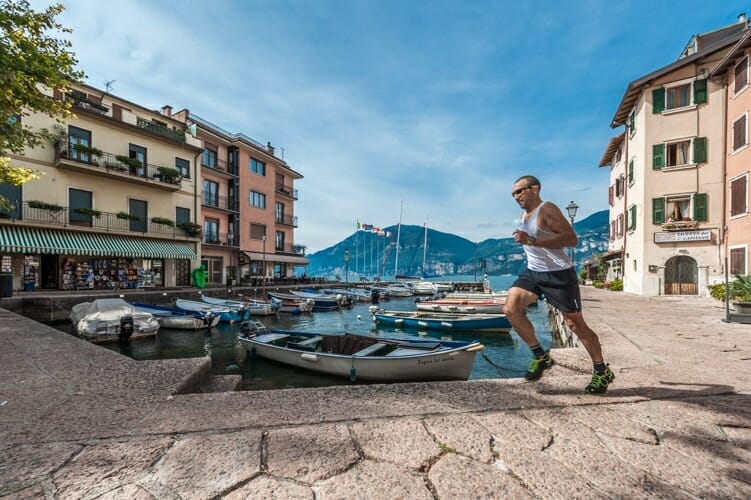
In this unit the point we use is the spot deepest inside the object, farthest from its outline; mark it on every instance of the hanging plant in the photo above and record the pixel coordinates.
(88, 211)
(127, 216)
(190, 228)
(45, 206)
(163, 221)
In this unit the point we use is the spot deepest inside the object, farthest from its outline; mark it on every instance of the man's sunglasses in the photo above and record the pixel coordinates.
(520, 191)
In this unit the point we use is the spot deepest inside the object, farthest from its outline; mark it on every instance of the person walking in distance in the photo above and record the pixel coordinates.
(544, 234)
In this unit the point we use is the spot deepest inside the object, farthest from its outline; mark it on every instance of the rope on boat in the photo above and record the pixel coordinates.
(498, 368)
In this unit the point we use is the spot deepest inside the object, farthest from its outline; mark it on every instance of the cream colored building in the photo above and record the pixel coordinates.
(674, 153)
(615, 158)
(116, 186)
(733, 71)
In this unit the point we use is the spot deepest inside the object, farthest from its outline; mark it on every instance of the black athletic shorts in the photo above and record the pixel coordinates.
(560, 288)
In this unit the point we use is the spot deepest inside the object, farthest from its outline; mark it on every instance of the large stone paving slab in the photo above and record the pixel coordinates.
(458, 477)
(405, 442)
(370, 479)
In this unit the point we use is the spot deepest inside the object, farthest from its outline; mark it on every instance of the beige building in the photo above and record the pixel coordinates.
(733, 72)
(615, 158)
(115, 202)
(248, 197)
(674, 154)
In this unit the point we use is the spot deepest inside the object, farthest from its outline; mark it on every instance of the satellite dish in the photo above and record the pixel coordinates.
(193, 129)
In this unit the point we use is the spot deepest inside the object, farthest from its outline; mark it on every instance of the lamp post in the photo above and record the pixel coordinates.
(571, 208)
(263, 267)
(346, 265)
(231, 271)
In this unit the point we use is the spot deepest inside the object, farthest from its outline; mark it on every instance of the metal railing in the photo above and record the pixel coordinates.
(57, 215)
(217, 201)
(215, 164)
(115, 163)
(289, 248)
(176, 135)
(216, 238)
(287, 220)
(286, 190)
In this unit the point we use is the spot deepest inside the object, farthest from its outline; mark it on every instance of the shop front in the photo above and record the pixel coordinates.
(42, 258)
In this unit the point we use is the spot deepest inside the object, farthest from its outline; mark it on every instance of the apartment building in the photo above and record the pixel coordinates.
(674, 154)
(615, 158)
(247, 199)
(733, 73)
(115, 206)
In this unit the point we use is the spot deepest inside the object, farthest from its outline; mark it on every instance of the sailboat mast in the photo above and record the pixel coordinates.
(398, 233)
(425, 248)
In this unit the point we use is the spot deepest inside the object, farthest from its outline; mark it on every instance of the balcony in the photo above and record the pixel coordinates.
(286, 191)
(220, 202)
(290, 249)
(164, 131)
(217, 165)
(219, 239)
(287, 220)
(680, 225)
(50, 214)
(94, 161)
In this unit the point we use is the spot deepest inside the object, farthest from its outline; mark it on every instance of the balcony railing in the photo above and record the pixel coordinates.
(680, 225)
(175, 135)
(215, 164)
(286, 190)
(223, 202)
(287, 220)
(56, 215)
(289, 248)
(115, 163)
(221, 239)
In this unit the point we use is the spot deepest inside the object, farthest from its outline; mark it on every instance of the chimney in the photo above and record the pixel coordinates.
(167, 110)
(270, 148)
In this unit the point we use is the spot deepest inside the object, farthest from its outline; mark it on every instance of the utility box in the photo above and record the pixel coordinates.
(6, 285)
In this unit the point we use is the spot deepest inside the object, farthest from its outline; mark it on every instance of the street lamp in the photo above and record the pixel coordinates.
(571, 208)
(231, 271)
(263, 267)
(346, 265)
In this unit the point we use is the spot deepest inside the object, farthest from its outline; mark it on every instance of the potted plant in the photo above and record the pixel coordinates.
(126, 216)
(163, 221)
(133, 163)
(88, 211)
(45, 206)
(740, 291)
(169, 174)
(191, 228)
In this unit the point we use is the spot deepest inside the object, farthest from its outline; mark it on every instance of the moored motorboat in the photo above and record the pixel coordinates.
(291, 304)
(176, 318)
(361, 357)
(226, 314)
(442, 321)
(324, 301)
(243, 307)
(462, 306)
(107, 320)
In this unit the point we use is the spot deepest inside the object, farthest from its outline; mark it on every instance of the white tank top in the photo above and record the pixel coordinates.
(538, 258)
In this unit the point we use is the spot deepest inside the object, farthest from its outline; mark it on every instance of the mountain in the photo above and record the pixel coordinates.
(447, 254)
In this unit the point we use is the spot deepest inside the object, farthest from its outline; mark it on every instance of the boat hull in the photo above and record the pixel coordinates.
(447, 364)
(461, 307)
(453, 322)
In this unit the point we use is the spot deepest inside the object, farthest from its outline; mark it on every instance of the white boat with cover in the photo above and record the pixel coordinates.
(108, 320)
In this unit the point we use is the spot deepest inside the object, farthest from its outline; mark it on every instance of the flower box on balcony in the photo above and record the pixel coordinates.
(680, 225)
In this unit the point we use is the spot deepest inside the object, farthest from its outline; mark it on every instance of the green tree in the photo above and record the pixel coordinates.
(30, 56)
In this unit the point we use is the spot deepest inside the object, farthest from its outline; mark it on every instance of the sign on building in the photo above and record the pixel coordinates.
(669, 237)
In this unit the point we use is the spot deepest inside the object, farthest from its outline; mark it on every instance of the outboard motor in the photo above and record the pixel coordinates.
(126, 328)
(375, 297)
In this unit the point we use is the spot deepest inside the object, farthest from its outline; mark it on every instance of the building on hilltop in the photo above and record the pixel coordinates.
(106, 213)
(667, 173)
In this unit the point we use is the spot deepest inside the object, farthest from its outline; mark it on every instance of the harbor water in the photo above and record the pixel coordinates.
(504, 356)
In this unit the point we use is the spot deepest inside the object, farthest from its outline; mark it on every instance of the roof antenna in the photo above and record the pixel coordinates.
(108, 86)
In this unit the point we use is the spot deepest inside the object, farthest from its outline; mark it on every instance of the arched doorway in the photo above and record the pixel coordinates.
(681, 276)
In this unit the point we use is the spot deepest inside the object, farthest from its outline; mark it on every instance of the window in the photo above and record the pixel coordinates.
(279, 241)
(214, 267)
(740, 135)
(79, 200)
(138, 153)
(739, 196)
(183, 166)
(619, 226)
(620, 183)
(631, 172)
(257, 167)
(211, 230)
(182, 215)
(209, 158)
(632, 123)
(682, 207)
(14, 195)
(632, 218)
(611, 195)
(612, 230)
(257, 200)
(257, 231)
(738, 260)
(279, 211)
(679, 95)
(78, 136)
(139, 209)
(676, 154)
(741, 75)
(211, 193)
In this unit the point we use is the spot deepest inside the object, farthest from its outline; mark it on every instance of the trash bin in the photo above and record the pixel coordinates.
(6, 285)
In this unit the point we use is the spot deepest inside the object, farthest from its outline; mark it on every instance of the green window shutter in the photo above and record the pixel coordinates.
(700, 91)
(700, 206)
(632, 217)
(631, 171)
(631, 120)
(658, 210)
(700, 150)
(658, 156)
(658, 100)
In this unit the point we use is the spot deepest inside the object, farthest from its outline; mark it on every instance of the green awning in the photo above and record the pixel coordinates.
(17, 239)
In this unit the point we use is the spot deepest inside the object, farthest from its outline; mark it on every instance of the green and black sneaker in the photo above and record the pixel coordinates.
(600, 382)
(537, 366)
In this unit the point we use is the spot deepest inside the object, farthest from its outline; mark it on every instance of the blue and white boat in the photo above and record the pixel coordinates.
(442, 321)
(324, 301)
(176, 318)
(249, 307)
(226, 314)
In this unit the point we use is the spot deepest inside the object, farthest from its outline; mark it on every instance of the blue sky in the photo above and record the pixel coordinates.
(440, 105)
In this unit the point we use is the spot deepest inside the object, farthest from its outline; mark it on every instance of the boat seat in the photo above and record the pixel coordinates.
(420, 345)
(307, 344)
(402, 351)
(370, 349)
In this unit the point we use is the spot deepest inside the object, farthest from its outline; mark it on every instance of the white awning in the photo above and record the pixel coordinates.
(298, 260)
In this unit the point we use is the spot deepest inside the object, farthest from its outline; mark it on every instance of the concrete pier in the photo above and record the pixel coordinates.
(78, 421)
